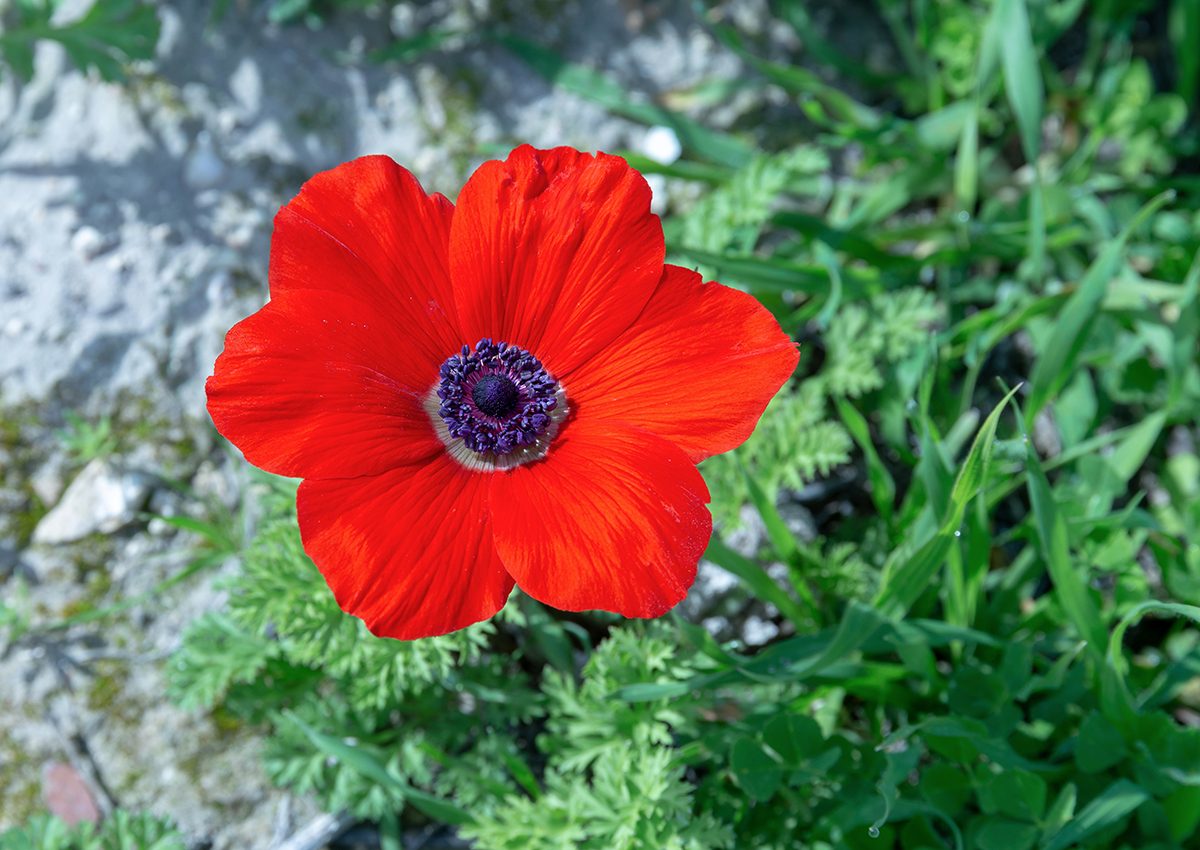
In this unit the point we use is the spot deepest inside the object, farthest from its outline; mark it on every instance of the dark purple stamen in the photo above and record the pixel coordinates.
(495, 395)
(497, 398)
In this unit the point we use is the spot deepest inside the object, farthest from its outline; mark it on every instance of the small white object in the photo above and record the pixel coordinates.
(101, 498)
(89, 241)
(662, 145)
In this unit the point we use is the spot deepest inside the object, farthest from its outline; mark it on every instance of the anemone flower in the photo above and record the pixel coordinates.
(515, 388)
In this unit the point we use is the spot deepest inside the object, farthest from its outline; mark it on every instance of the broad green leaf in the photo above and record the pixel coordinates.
(975, 693)
(1183, 812)
(969, 731)
(1116, 801)
(1183, 363)
(857, 625)
(940, 633)
(795, 737)
(550, 637)
(755, 770)
(946, 787)
(1020, 795)
(1000, 833)
(1131, 452)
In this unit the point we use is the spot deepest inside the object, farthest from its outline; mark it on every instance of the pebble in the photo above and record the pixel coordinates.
(89, 241)
(756, 630)
(662, 145)
(101, 498)
(47, 482)
(203, 169)
(67, 795)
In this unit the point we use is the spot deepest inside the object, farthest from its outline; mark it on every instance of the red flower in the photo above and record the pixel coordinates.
(513, 389)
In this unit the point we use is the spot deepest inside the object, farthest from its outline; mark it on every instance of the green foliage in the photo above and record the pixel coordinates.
(85, 441)
(635, 799)
(731, 217)
(121, 831)
(796, 440)
(611, 780)
(108, 37)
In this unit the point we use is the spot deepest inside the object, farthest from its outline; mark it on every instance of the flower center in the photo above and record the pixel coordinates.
(495, 395)
(500, 402)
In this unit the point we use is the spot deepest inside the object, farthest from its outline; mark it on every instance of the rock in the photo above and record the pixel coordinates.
(756, 630)
(713, 583)
(89, 241)
(67, 795)
(102, 498)
(47, 482)
(203, 168)
(750, 536)
(799, 520)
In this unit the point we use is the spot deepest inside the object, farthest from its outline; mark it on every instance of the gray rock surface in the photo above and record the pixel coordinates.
(135, 223)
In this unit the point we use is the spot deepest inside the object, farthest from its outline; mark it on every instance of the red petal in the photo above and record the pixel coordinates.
(319, 384)
(554, 251)
(697, 367)
(368, 229)
(613, 518)
(409, 551)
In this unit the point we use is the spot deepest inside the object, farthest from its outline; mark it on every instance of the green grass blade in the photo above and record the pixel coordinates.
(903, 584)
(1114, 803)
(1186, 332)
(757, 580)
(966, 166)
(1057, 363)
(373, 769)
(1115, 698)
(883, 487)
(1070, 589)
(411, 49)
(858, 624)
(596, 87)
(1022, 77)
(1185, 36)
(839, 240)
(761, 274)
